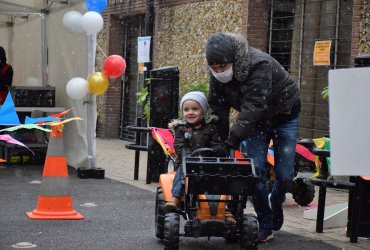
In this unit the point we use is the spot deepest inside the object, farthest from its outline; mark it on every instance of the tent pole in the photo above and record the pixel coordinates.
(10, 25)
(43, 50)
(91, 104)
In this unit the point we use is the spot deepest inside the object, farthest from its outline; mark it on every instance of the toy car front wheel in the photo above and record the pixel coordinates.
(171, 231)
(249, 232)
(304, 191)
(159, 214)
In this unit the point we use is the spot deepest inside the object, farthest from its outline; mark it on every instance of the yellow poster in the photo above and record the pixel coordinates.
(321, 53)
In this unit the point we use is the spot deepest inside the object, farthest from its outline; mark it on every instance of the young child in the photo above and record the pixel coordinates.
(191, 134)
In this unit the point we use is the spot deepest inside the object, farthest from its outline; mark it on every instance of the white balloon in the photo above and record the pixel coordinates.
(92, 22)
(33, 81)
(77, 88)
(72, 21)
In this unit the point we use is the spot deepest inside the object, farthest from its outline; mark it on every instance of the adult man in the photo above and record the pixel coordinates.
(268, 101)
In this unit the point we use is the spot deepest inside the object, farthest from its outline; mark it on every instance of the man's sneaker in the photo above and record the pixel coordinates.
(264, 235)
(277, 215)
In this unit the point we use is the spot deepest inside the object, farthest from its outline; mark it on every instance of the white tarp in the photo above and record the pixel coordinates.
(66, 59)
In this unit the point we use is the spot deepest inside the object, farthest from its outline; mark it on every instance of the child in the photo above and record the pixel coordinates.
(191, 134)
(6, 76)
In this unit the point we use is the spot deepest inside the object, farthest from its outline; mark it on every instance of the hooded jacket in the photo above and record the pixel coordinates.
(261, 90)
(6, 72)
(189, 138)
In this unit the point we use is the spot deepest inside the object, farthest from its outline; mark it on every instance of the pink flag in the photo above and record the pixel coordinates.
(11, 140)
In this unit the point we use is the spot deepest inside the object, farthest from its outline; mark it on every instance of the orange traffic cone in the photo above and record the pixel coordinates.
(55, 201)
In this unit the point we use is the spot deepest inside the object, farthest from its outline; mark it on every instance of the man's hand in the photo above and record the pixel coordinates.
(222, 150)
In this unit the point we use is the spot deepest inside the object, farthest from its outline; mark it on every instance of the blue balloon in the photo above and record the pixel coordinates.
(96, 5)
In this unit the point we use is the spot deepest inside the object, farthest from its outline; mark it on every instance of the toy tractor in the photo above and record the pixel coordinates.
(212, 185)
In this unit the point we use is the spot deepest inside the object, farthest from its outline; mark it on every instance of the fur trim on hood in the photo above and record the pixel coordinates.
(176, 122)
(241, 57)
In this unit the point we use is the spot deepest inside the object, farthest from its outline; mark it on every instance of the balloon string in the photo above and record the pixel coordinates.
(101, 50)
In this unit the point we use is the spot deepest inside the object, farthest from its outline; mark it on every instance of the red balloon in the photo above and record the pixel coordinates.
(114, 66)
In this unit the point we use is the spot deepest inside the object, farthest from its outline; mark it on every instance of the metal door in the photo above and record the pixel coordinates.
(133, 81)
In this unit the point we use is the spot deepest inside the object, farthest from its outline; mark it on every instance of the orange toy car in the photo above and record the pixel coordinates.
(211, 185)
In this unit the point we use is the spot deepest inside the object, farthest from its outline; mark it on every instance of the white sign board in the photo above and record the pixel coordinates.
(349, 109)
(143, 49)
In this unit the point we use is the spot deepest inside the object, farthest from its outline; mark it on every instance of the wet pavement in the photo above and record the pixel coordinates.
(119, 212)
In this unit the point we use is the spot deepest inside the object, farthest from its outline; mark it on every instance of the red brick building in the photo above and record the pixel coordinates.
(287, 29)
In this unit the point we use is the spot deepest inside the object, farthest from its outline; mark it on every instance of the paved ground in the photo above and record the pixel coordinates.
(117, 216)
(119, 212)
(118, 163)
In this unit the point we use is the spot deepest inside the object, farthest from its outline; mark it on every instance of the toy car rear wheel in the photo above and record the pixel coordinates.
(249, 232)
(171, 231)
(231, 236)
(159, 214)
(304, 191)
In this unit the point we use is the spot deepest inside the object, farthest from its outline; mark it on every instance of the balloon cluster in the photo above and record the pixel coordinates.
(97, 83)
(113, 66)
(90, 22)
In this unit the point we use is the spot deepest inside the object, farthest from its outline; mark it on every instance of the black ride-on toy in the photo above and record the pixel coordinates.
(303, 190)
(213, 185)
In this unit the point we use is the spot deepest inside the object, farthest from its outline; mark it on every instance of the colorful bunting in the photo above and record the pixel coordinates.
(9, 116)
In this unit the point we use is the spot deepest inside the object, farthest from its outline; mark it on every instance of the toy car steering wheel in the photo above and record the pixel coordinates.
(205, 152)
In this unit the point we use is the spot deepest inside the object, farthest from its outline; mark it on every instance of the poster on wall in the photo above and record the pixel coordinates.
(321, 53)
(143, 49)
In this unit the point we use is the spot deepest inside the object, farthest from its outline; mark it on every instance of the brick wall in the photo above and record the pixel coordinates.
(253, 22)
(182, 31)
(257, 24)
(356, 23)
(363, 22)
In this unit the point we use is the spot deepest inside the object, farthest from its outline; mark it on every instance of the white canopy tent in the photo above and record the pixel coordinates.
(38, 46)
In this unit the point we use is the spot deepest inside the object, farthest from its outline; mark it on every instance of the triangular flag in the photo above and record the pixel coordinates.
(8, 115)
(58, 115)
(11, 140)
(26, 126)
(30, 120)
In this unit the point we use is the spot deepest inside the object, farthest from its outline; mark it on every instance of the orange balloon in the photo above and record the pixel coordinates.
(97, 83)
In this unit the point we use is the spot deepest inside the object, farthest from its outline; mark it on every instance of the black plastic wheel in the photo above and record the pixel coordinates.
(249, 232)
(231, 238)
(171, 231)
(304, 191)
(159, 214)
(231, 235)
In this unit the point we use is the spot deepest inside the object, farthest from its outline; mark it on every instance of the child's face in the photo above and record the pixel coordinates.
(192, 112)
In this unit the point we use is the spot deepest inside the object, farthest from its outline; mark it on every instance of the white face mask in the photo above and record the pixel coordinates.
(225, 76)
